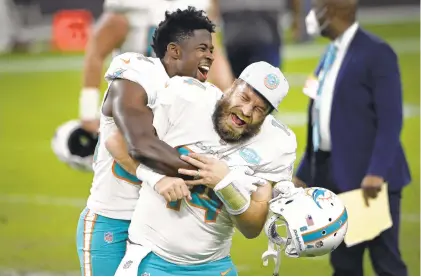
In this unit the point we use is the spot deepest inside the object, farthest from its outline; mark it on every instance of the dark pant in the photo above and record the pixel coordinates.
(240, 56)
(247, 41)
(384, 249)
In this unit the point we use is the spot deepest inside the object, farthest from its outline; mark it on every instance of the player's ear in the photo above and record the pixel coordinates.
(174, 50)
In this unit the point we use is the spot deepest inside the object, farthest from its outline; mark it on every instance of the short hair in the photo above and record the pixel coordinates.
(178, 26)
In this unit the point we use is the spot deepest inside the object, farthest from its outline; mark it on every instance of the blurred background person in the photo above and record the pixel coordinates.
(354, 126)
(251, 31)
(9, 25)
(299, 10)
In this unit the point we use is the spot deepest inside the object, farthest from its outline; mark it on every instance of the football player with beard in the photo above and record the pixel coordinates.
(239, 150)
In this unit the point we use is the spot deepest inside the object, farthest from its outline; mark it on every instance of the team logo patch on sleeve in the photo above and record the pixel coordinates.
(250, 156)
(116, 74)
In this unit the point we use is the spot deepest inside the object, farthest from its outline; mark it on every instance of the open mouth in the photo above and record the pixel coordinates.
(203, 70)
(237, 120)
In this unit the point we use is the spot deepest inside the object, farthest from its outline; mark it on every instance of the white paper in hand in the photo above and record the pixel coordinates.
(366, 223)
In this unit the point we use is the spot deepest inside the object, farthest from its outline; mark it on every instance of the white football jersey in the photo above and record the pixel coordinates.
(144, 16)
(114, 191)
(200, 230)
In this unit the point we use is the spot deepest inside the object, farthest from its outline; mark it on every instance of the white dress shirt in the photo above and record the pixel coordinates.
(326, 96)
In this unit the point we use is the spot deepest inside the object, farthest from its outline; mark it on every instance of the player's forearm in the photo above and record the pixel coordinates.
(251, 222)
(158, 156)
(128, 165)
(249, 212)
(214, 12)
(144, 147)
(109, 33)
(92, 70)
(134, 119)
(116, 146)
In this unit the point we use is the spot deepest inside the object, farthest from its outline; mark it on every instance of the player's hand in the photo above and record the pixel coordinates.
(91, 126)
(285, 189)
(371, 186)
(172, 189)
(209, 173)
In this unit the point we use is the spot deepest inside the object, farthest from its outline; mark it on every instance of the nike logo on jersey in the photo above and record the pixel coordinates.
(125, 61)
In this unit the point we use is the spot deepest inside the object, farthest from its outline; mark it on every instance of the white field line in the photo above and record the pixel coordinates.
(79, 203)
(290, 52)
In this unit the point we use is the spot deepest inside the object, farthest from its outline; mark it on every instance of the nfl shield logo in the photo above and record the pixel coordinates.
(108, 237)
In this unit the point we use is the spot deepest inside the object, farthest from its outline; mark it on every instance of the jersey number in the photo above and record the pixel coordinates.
(202, 197)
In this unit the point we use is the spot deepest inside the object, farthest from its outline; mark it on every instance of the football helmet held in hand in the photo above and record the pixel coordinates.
(74, 146)
(315, 218)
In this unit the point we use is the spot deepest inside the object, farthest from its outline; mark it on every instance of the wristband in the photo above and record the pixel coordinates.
(148, 176)
(89, 104)
(235, 197)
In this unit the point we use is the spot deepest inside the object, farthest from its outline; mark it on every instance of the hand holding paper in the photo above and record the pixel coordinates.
(371, 186)
(366, 222)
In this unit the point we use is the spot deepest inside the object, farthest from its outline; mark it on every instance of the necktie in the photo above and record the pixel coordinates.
(327, 64)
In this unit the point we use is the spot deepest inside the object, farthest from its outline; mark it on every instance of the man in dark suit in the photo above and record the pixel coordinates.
(355, 120)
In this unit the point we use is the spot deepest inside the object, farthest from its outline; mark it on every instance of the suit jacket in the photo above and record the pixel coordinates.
(366, 118)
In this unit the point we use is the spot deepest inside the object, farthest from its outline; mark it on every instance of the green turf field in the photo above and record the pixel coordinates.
(40, 198)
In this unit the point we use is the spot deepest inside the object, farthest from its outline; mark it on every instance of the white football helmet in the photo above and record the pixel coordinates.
(74, 146)
(315, 218)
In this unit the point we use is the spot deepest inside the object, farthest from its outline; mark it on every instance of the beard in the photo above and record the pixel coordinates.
(219, 118)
